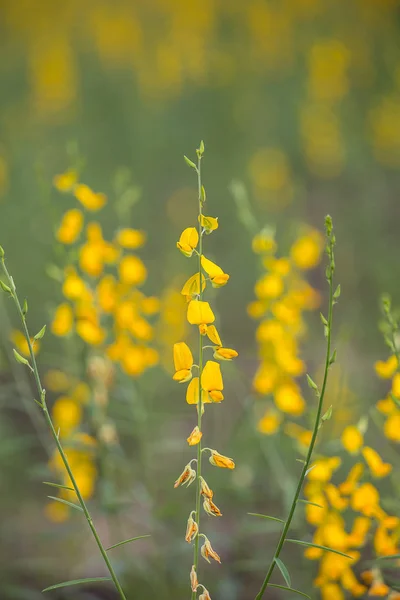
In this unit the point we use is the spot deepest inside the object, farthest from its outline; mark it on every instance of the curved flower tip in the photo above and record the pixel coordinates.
(217, 276)
(200, 313)
(188, 241)
(194, 437)
(225, 353)
(205, 595)
(187, 476)
(219, 460)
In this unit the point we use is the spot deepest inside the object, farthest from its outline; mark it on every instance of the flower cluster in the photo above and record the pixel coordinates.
(283, 295)
(204, 378)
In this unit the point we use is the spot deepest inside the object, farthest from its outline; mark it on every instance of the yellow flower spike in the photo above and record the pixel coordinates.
(200, 313)
(213, 335)
(187, 476)
(219, 460)
(211, 380)
(352, 439)
(66, 181)
(216, 274)
(192, 393)
(130, 238)
(209, 224)
(376, 465)
(386, 369)
(89, 199)
(207, 551)
(132, 270)
(225, 354)
(306, 251)
(192, 285)
(188, 241)
(192, 529)
(63, 320)
(183, 361)
(70, 226)
(210, 508)
(194, 437)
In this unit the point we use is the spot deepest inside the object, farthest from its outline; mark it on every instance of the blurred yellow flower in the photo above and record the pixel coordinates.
(132, 270)
(70, 226)
(386, 369)
(306, 251)
(20, 343)
(130, 238)
(66, 181)
(376, 465)
(288, 399)
(89, 199)
(67, 414)
(269, 423)
(352, 439)
(63, 320)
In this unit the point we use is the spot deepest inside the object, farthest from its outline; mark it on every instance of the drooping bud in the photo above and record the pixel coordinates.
(205, 490)
(192, 529)
(195, 437)
(187, 476)
(207, 551)
(205, 595)
(211, 508)
(193, 579)
(219, 460)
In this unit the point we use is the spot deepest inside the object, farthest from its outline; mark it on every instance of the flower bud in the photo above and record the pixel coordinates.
(225, 353)
(192, 529)
(211, 508)
(219, 460)
(193, 579)
(187, 476)
(205, 595)
(203, 328)
(205, 490)
(195, 437)
(207, 551)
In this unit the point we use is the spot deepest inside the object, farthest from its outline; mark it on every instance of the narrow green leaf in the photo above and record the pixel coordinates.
(71, 504)
(76, 582)
(312, 383)
(58, 485)
(1, 252)
(389, 557)
(332, 359)
(328, 414)
(40, 333)
(289, 589)
(190, 162)
(308, 471)
(308, 502)
(324, 321)
(266, 517)
(309, 544)
(38, 403)
(20, 359)
(283, 569)
(337, 292)
(139, 537)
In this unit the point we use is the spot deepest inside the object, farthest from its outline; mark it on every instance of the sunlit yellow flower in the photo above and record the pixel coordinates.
(192, 285)
(89, 199)
(269, 423)
(306, 251)
(207, 552)
(63, 320)
(66, 181)
(132, 270)
(130, 238)
(70, 226)
(376, 465)
(208, 223)
(192, 393)
(20, 343)
(183, 361)
(352, 439)
(194, 437)
(200, 313)
(211, 380)
(219, 460)
(386, 369)
(217, 276)
(225, 354)
(188, 241)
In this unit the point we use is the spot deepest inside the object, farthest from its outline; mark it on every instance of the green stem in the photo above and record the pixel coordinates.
(42, 397)
(200, 404)
(317, 423)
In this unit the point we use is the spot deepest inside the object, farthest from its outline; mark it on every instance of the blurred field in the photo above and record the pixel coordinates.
(298, 102)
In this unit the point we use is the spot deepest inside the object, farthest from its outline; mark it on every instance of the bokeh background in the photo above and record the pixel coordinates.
(298, 102)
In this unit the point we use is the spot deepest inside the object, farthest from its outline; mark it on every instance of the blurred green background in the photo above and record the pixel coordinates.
(299, 101)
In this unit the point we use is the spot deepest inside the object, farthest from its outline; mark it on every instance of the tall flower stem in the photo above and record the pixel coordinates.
(42, 402)
(200, 404)
(329, 359)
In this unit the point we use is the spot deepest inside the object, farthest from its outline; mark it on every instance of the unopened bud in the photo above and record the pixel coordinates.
(193, 579)
(205, 490)
(192, 529)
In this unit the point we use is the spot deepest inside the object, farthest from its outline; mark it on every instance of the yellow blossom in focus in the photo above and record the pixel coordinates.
(211, 380)
(306, 251)
(192, 393)
(63, 320)
(219, 460)
(213, 335)
(194, 437)
(217, 276)
(208, 223)
(89, 199)
(192, 286)
(130, 238)
(188, 241)
(225, 353)
(200, 313)
(183, 361)
(70, 226)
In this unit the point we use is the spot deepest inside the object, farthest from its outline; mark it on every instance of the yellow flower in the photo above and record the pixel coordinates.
(365, 499)
(213, 335)
(349, 485)
(324, 469)
(378, 588)
(183, 361)
(70, 226)
(269, 287)
(211, 508)
(130, 238)
(288, 399)
(188, 241)
(377, 467)
(192, 285)
(187, 476)
(66, 181)
(200, 313)
(192, 393)
(219, 460)
(306, 251)
(20, 343)
(352, 439)
(63, 320)
(269, 423)
(392, 428)
(225, 353)
(89, 199)
(67, 415)
(387, 369)
(263, 243)
(195, 437)
(208, 223)
(90, 332)
(217, 276)
(107, 293)
(74, 287)
(265, 378)
(211, 380)
(132, 270)
(303, 436)
(359, 532)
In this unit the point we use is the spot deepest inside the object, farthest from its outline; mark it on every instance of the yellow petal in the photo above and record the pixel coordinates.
(194, 437)
(209, 223)
(192, 393)
(63, 320)
(188, 241)
(225, 354)
(183, 358)
(211, 378)
(66, 181)
(352, 439)
(192, 285)
(211, 268)
(213, 335)
(376, 465)
(200, 313)
(132, 270)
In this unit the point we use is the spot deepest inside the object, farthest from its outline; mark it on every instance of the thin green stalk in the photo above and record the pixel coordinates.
(200, 403)
(42, 401)
(317, 423)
